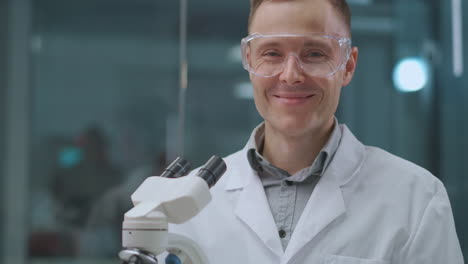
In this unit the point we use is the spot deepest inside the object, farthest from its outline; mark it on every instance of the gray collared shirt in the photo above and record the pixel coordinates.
(288, 194)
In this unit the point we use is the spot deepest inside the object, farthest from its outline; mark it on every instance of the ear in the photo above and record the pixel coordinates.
(247, 58)
(247, 53)
(350, 66)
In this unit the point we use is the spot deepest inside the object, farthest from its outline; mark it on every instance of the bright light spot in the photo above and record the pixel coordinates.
(243, 90)
(234, 54)
(411, 74)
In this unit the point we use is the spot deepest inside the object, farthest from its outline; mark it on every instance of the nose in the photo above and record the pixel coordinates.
(292, 73)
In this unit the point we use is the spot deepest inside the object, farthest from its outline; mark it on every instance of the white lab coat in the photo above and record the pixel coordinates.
(369, 207)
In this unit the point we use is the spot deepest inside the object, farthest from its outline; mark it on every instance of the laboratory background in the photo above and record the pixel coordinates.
(97, 95)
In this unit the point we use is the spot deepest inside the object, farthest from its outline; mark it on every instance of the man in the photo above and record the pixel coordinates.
(304, 189)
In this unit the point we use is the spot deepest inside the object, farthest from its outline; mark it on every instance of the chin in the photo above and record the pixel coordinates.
(296, 126)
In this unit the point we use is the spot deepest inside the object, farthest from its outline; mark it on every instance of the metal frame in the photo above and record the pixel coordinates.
(17, 133)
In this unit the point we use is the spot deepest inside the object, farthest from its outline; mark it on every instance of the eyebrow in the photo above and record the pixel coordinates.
(321, 42)
(274, 43)
(269, 43)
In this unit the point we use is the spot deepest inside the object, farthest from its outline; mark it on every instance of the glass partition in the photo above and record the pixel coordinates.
(452, 94)
(105, 87)
(3, 38)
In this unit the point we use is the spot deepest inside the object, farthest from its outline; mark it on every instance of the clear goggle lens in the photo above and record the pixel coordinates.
(316, 54)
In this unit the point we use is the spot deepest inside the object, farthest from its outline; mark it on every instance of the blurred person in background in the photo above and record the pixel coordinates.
(83, 173)
(79, 186)
(102, 236)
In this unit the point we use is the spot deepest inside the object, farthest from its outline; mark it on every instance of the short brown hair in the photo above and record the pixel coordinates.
(340, 5)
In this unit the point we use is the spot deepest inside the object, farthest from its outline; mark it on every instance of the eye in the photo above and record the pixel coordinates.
(271, 53)
(315, 54)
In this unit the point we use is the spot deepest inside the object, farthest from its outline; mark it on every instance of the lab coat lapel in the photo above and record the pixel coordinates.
(326, 203)
(324, 206)
(253, 209)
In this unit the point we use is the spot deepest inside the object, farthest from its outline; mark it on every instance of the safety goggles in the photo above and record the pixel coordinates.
(315, 54)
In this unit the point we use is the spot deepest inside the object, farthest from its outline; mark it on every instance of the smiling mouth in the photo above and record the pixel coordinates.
(293, 99)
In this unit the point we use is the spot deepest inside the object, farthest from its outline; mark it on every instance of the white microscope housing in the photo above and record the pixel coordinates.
(162, 200)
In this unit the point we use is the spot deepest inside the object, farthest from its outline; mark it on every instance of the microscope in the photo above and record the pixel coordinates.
(160, 200)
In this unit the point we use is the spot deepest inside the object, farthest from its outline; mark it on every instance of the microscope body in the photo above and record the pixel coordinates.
(158, 202)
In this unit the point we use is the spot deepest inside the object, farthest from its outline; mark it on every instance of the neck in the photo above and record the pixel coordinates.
(293, 153)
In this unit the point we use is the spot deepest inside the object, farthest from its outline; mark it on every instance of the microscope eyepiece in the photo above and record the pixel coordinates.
(178, 168)
(212, 170)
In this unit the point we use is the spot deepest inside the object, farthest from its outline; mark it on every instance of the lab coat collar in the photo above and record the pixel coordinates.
(348, 158)
(252, 206)
(239, 171)
(253, 209)
(325, 205)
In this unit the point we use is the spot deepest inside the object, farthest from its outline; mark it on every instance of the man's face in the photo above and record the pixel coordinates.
(292, 102)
